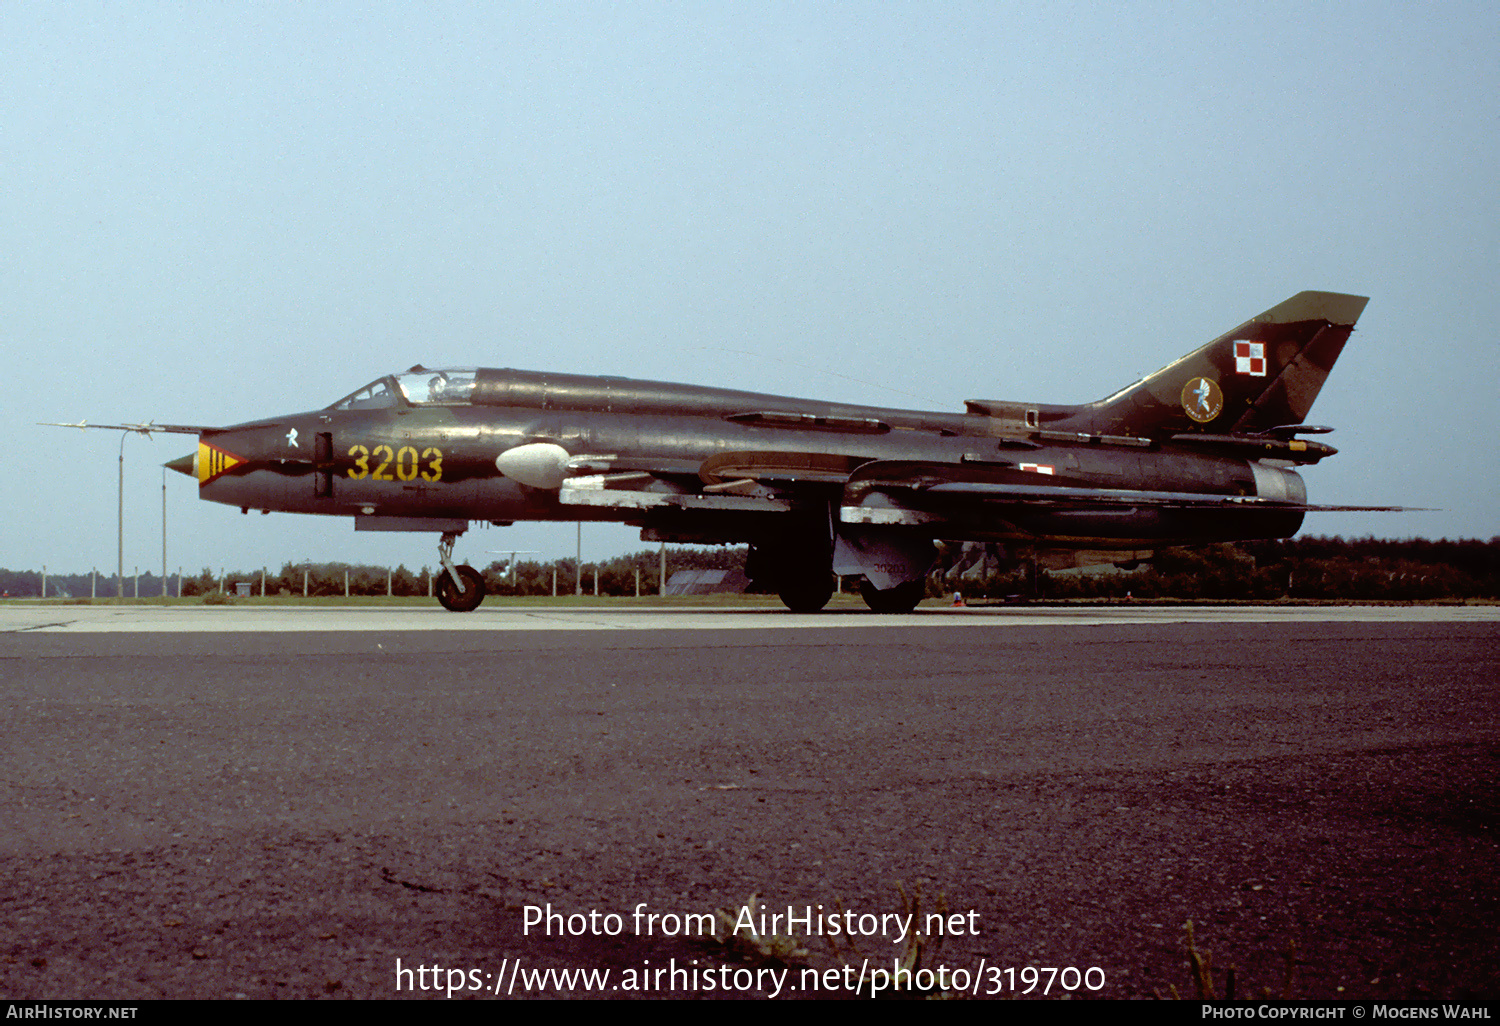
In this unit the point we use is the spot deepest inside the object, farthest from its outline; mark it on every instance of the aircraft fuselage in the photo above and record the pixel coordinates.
(1202, 450)
(439, 461)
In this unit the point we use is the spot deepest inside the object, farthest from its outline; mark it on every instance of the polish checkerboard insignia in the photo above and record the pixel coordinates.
(1250, 358)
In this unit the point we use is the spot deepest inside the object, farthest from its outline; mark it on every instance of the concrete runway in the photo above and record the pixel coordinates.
(497, 616)
(284, 802)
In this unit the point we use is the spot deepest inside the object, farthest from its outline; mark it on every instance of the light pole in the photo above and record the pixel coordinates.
(163, 532)
(125, 430)
(120, 522)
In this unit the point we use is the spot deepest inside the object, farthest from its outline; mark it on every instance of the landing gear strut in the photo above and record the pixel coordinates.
(460, 588)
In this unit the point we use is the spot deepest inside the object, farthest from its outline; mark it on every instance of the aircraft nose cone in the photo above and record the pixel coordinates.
(184, 464)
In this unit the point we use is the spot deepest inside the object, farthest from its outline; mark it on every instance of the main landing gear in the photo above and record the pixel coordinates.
(460, 588)
(806, 591)
(903, 598)
(798, 566)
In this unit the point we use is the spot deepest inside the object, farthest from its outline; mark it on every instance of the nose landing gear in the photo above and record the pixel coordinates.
(460, 588)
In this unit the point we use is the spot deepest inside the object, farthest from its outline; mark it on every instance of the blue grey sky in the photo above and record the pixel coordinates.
(217, 212)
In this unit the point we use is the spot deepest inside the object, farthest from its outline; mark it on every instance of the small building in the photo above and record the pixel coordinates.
(707, 582)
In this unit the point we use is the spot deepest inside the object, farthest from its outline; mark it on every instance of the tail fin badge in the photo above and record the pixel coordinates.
(1250, 358)
(1202, 399)
(213, 461)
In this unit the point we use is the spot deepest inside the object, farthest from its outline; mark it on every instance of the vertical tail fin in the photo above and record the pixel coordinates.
(1263, 374)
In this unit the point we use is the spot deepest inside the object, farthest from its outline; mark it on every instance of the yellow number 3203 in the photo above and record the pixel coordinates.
(404, 461)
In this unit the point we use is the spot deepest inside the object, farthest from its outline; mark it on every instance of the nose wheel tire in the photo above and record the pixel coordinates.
(464, 601)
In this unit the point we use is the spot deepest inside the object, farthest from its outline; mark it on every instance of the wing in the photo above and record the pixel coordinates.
(898, 492)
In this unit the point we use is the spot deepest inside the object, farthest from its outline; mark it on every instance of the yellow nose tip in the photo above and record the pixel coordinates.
(211, 461)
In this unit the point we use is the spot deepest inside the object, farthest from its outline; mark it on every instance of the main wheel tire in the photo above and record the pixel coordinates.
(467, 600)
(807, 594)
(903, 598)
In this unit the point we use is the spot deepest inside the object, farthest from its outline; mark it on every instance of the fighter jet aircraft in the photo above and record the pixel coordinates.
(1203, 450)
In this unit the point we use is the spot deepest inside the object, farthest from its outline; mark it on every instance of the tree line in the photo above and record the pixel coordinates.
(616, 576)
(1314, 567)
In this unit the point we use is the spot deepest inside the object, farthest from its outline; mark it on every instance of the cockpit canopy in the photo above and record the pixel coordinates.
(418, 387)
(437, 387)
(377, 395)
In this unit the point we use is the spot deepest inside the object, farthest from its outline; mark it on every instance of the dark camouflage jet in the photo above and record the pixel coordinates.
(1203, 450)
